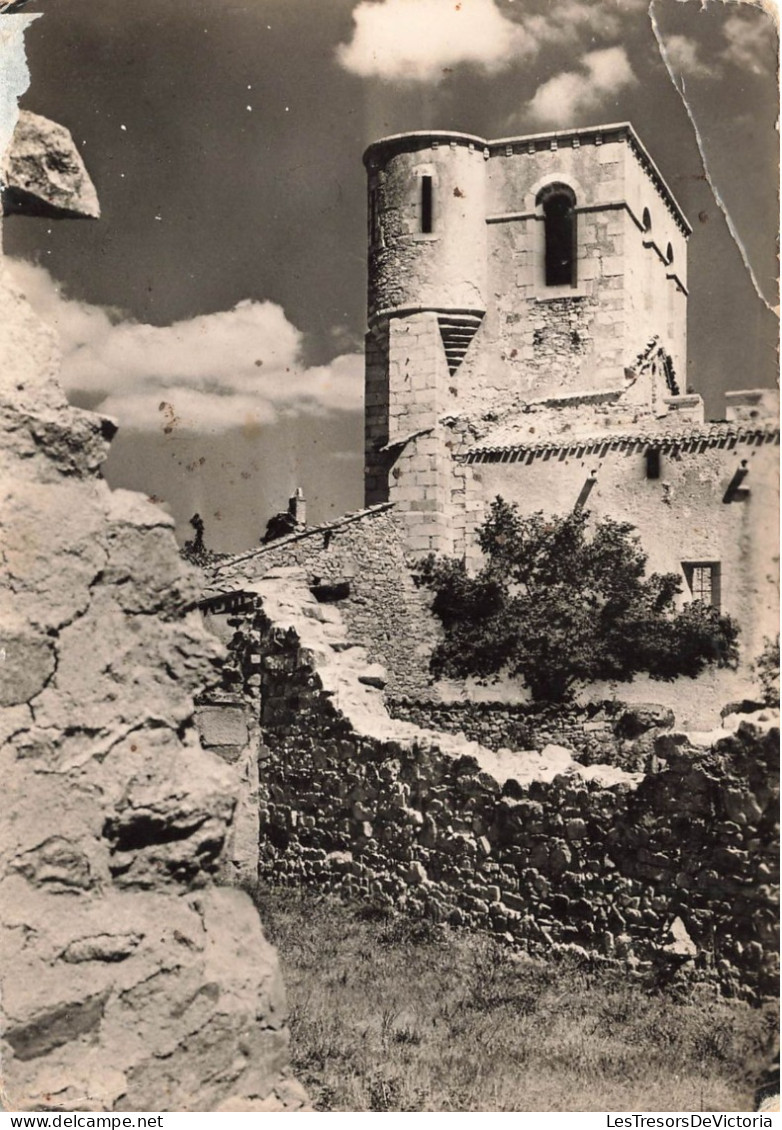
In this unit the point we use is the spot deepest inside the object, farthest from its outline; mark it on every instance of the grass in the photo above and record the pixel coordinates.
(389, 1014)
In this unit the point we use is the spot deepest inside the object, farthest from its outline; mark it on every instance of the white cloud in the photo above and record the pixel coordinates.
(212, 373)
(571, 94)
(684, 56)
(564, 22)
(752, 40)
(417, 40)
(421, 40)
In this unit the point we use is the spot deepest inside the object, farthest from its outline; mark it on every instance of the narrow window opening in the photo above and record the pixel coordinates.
(646, 220)
(669, 254)
(427, 211)
(559, 219)
(703, 580)
(374, 219)
(653, 463)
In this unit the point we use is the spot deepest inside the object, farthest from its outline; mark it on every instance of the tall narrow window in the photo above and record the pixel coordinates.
(559, 219)
(375, 237)
(427, 209)
(703, 580)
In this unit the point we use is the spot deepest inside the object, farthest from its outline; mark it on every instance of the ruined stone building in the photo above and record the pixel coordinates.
(527, 338)
(527, 318)
(527, 314)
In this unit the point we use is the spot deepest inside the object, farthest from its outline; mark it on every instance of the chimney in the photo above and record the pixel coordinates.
(297, 508)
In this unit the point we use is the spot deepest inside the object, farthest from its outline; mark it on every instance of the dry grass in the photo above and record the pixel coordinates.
(394, 1015)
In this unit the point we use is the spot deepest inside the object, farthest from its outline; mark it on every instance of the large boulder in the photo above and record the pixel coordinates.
(43, 173)
(130, 979)
(640, 717)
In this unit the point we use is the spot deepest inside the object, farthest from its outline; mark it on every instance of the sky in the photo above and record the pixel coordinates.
(217, 308)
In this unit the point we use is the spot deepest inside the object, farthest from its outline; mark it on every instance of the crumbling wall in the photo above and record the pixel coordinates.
(670, 868)
(130, 980)
(358, 564)
(598, 732)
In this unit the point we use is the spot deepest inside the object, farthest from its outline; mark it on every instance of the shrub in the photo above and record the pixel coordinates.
(767, 671)
(559, 605)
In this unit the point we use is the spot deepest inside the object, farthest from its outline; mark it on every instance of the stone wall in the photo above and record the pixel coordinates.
(485, 256)
(358, 564)
(130, 980)
(668, 869)
(691, 513)
(607, 733)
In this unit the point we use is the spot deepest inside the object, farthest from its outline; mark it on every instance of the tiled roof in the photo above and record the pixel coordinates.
(703, 435)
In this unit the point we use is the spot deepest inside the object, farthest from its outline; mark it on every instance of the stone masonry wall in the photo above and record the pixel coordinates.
(675, 867)
(598, 733)
(358, 564)
(130, 980)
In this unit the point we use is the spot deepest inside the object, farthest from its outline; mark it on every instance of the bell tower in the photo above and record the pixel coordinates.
(426, 301)
(507, 274)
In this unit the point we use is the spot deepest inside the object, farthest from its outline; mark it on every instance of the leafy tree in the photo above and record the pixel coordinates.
(767, 671)
(559, 605)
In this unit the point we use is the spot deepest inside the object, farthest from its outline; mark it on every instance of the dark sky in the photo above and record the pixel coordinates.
(225, 138)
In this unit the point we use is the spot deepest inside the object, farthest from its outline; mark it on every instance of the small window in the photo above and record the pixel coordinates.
(375, 232)
(669, 254)
(652, 462)
(427, 205)
(559, 218)
(703, 579)
(646, 220)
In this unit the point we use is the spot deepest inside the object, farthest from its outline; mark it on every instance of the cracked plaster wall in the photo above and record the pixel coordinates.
(131, 980)
(684, 516)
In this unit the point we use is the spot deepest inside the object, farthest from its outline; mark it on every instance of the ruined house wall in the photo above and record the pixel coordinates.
(529, 845)
(598, 732)
(385, 612)
(130, 980)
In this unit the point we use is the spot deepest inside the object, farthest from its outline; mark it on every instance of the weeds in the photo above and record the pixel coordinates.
(389, 1014)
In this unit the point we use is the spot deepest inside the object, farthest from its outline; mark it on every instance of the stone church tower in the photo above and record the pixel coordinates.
(527, 338)
(505, 273)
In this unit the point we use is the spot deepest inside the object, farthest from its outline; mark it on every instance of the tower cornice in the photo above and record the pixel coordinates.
(614, 132)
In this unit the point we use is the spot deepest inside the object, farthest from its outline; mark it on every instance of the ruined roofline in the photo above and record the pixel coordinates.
(325, 527)
(713, 435)
(600, 134)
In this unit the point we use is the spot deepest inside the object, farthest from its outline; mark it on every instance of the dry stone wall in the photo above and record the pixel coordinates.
(130, 979)
(359, 564)
(672, 868)
(610, 732)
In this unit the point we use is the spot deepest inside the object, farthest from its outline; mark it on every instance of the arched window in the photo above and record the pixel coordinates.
(559, 217)
(647, 220)
(669, 254)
